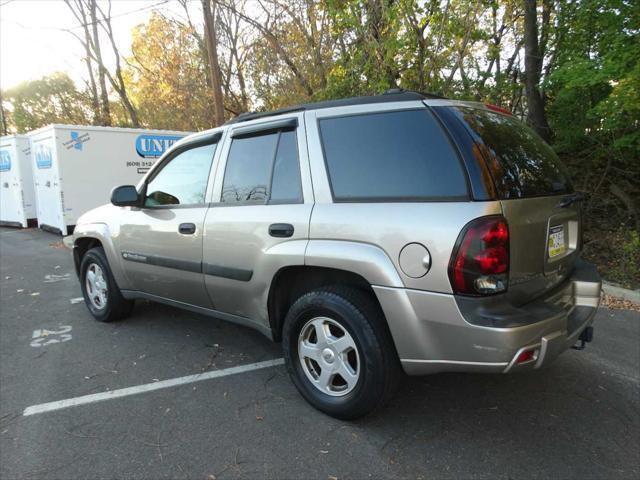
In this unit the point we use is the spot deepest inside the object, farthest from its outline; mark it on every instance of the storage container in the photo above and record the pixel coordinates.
(17, 196)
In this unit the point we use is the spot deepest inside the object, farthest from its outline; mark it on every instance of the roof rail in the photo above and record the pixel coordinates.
(391, 95)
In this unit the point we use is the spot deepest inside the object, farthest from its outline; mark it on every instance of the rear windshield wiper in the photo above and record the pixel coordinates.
(570, 200)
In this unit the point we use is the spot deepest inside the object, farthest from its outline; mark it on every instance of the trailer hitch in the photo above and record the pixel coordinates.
(585, 337)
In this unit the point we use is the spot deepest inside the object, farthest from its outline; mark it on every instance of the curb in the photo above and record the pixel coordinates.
(626, 294)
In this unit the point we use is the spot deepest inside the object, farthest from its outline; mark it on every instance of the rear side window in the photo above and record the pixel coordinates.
(521, 163)
(391, 156)
(263, 169)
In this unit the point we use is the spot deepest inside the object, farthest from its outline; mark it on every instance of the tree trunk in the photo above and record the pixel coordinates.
(104, 94)
(536, 116)
(211, 40)
(118, 82)
(93, 89)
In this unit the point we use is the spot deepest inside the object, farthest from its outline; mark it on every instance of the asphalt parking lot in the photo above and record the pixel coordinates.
(579, 418)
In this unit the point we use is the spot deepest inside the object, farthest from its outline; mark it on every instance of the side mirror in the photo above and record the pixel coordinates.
(125, 196)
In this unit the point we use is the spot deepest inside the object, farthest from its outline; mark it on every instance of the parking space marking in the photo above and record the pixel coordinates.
(148, 387)
(44, 337)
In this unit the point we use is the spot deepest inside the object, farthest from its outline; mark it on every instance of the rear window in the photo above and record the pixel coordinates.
(391, 156)
(521, 163)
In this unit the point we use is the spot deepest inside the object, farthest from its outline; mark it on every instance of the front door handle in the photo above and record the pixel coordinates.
(187, 228)
(281, 230)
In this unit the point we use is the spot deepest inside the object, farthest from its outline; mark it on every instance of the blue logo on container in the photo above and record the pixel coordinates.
(5, 161)
(75, 137)
(154, 145)
(43, 156)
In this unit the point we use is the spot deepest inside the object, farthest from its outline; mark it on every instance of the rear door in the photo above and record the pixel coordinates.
(537, 199)
(259, 217)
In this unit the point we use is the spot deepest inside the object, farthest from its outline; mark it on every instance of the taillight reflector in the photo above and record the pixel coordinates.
(480, 261)
(526, 356)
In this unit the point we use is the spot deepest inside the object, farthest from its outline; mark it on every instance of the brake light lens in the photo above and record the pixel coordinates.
(480, 261)
(498, 109)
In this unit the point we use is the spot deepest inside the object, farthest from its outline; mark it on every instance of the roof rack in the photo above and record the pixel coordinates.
(391, 95)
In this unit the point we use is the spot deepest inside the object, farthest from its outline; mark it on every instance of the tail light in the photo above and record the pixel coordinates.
(498, 109)
(480, 261)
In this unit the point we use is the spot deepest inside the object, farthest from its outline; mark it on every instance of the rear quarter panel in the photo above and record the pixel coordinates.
(388, 226)
(391, 226)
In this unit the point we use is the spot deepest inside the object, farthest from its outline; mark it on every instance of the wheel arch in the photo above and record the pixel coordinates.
(87, 236)
(291, 282)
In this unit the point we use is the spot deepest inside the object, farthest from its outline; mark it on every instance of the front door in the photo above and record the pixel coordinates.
(161, 242)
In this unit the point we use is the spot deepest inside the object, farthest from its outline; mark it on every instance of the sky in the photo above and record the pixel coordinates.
(33, 43)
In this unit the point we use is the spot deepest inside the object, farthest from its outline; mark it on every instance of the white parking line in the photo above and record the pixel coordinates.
(148, 387)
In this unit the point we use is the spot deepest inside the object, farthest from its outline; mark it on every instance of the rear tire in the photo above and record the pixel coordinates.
(339, 353)
(99, 289)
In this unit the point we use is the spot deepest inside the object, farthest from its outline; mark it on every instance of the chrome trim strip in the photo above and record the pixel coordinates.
(456, 362)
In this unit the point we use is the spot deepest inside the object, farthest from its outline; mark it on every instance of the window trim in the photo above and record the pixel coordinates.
(264, 129)
(289, 124)
(190, 145)
(408, 199)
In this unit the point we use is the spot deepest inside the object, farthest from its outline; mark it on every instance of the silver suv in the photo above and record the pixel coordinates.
(371, 235)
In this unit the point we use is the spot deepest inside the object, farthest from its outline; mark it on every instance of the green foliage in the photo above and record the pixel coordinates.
(618, 258)
(52, 99)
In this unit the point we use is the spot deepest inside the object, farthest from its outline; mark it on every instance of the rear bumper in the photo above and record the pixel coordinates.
(436, 332)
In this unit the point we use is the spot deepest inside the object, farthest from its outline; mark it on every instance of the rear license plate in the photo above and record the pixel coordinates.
(556, 241)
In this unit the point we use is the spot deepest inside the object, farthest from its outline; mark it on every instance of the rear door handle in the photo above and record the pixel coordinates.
(568, 201)
(187, 228)
(281, 230)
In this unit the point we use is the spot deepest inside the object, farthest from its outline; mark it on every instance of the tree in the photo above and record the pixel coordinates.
(52, 99)
(78, 10)
(101, 17)
(4, 126)
(211, 41)
(166, 76)
(534, 48)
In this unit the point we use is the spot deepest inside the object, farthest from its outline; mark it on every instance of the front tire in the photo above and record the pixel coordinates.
(339, 353)
(99, 289)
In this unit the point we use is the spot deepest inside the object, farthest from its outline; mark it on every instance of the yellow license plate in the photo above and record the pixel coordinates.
(556, 241)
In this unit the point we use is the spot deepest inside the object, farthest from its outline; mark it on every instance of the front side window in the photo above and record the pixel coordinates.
(263, 169)
(391, 156)
(183, 180)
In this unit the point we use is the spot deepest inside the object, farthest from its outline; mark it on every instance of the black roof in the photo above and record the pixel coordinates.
(394, 95)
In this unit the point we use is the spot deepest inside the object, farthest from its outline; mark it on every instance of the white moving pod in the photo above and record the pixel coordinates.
(17, 196)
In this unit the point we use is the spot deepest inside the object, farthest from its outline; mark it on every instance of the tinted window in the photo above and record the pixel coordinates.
(286, 171)
(520, 162)
(183, 180)
(263, 168)
(391, 156)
